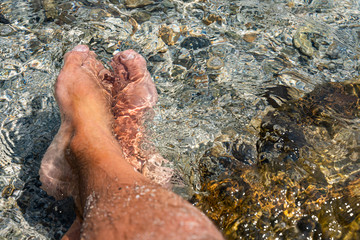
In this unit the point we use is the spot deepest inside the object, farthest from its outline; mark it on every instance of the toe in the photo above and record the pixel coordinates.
(76, 56)
(133, 63)
(81, 48)
(81, 56)
(92, 64)
(104, 74)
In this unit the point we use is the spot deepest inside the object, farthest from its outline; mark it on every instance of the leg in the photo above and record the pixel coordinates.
(120, 203)
(74, 232)
(114, 200)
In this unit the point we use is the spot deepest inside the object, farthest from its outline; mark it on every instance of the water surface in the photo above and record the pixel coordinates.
(234, 80)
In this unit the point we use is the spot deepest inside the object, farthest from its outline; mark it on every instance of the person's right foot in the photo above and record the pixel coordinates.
(79, 95)
(133, 97)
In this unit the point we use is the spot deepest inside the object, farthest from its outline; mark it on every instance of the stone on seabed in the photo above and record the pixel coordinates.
(215, 63)
(195, 43)
(137, 3)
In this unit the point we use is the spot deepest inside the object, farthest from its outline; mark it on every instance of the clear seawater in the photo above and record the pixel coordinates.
(213, 62)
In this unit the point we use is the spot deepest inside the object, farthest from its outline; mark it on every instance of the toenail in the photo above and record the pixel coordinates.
(127, 56)
(81, 48)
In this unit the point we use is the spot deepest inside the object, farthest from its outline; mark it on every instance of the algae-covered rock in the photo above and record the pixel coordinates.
(305, 180)
(141, 16)
(305, 39)
(50, 7)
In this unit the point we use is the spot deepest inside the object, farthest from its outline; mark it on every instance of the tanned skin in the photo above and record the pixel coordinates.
(113, 200)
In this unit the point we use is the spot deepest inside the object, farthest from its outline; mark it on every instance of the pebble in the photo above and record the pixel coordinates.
(7, 191)
(178, 71)
(114, 1)
(211, 18)
(184, 58)
(66, 6)
(195, 43)
(333, 51)
(141, 16)
(3, 19)
(6, 30)
(250, 37)
(98, 14)
(156, 58)
(221, 50)
(233, 35)
(215, 63)
(168, 35)
(65, 17)
(50, 7)
(168, 4)
(137, 3)
(303, 42)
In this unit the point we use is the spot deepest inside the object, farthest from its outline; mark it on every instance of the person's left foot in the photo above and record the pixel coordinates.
(79, 94)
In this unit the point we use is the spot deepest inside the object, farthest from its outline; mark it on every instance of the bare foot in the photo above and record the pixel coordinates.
(81, 67)
(132, 94)
(113, 200)
(133, 97)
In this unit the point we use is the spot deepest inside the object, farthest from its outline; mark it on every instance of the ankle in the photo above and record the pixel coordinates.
(100, 164)
(91, 141)
(97, 148)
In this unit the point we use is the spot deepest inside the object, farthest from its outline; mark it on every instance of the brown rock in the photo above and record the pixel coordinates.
(250, 37)
(134, 25)
(137, 3)
(141, 16)
(291, 4)
(50, 7)
(212, 18)
(168, 35)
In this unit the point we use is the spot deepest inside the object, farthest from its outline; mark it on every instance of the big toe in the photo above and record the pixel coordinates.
(76, 56)
(130, 62)
(81, 57)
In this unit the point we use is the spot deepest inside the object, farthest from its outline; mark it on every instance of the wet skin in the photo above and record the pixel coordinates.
(86, 161)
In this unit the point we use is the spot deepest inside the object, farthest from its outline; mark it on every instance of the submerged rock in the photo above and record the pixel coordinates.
(137, 3)
(306, 39)
(211, 18)
(195, 43)
(184, 58)
(6, 30)
(50, 7)
(141, 16)
(250, 37)
(168, 35)
(156, 58)
(3, 19)
(215, 63)
(303, 181)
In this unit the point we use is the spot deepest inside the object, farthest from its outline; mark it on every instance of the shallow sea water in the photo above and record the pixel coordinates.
(235, 110)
